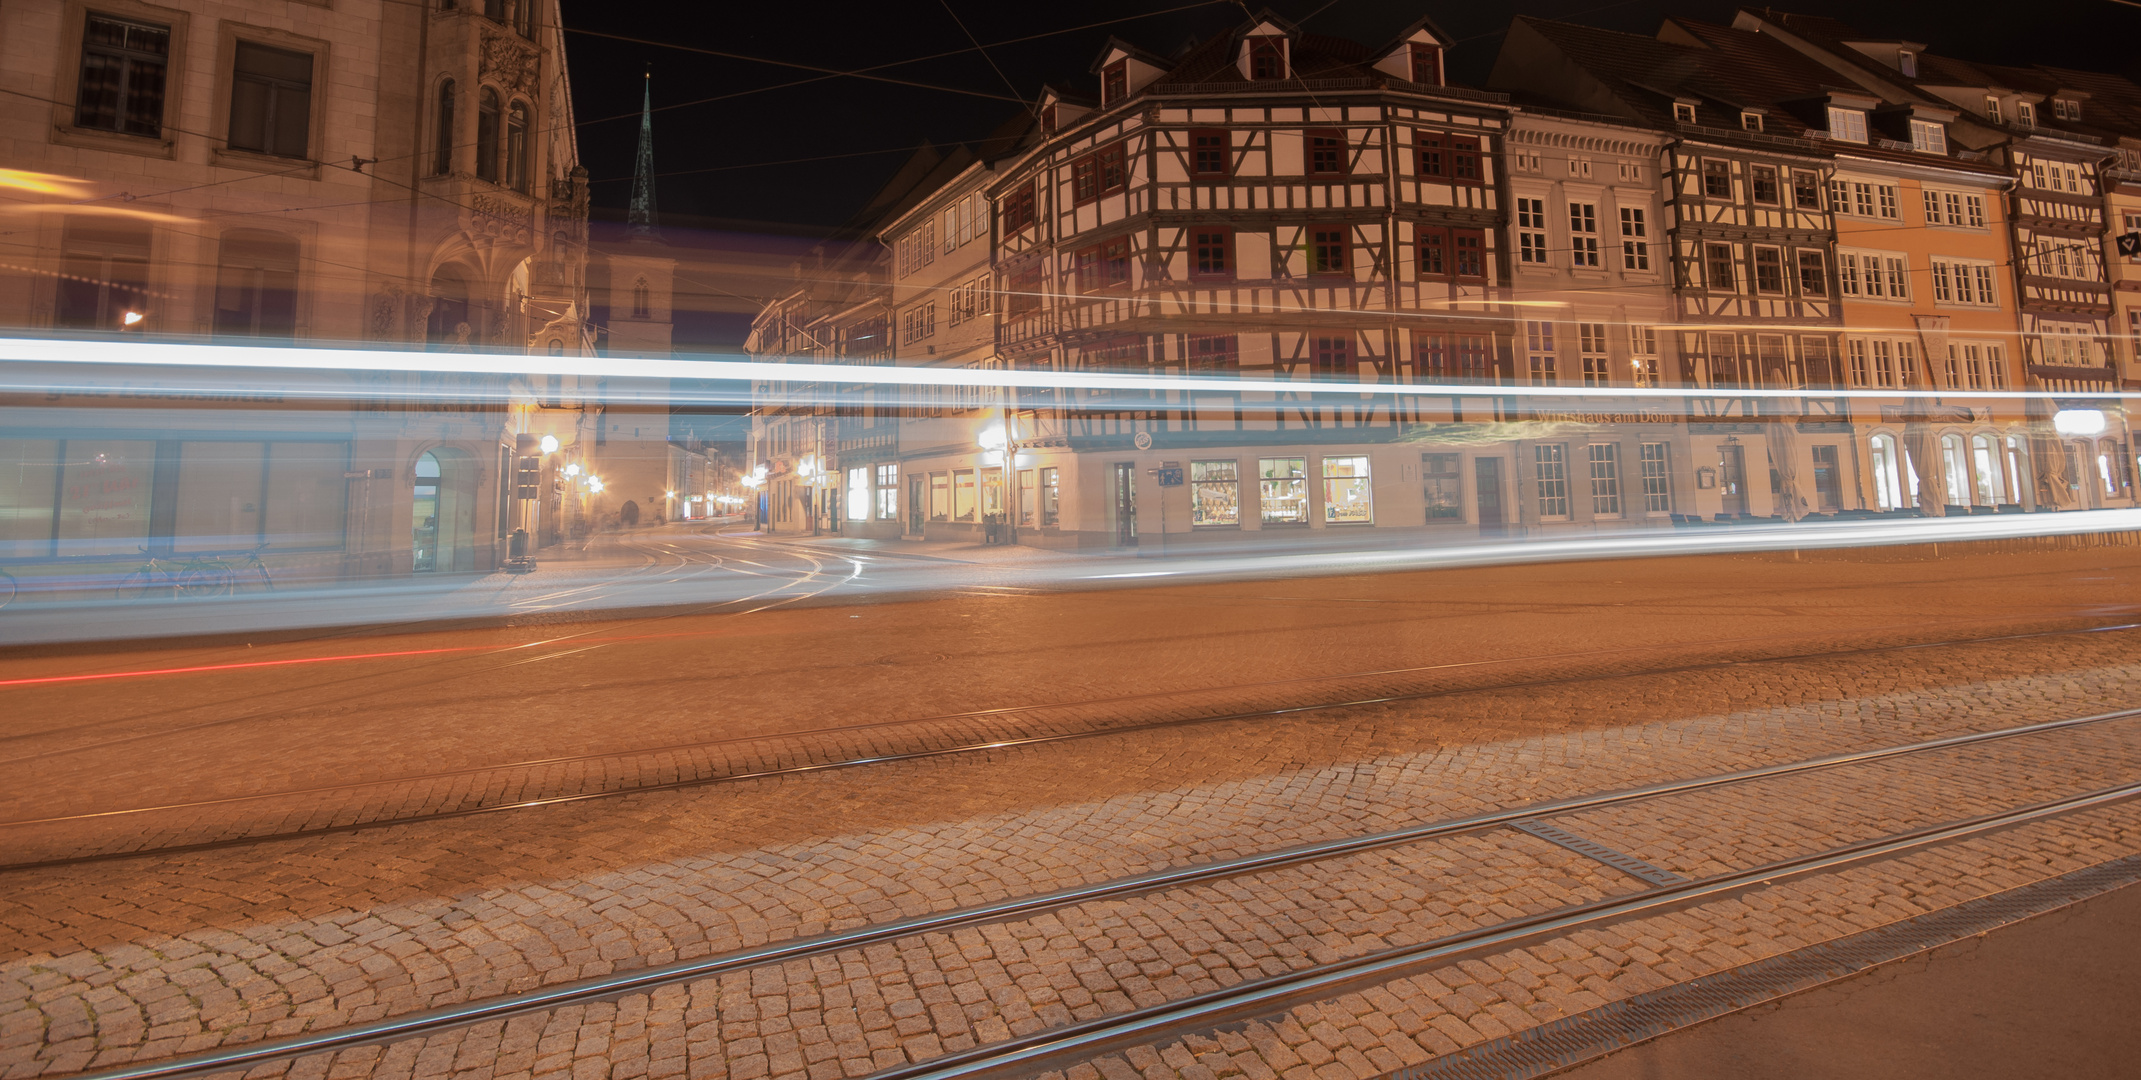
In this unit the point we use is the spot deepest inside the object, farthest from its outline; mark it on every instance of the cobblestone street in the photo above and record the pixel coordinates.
(107, 962)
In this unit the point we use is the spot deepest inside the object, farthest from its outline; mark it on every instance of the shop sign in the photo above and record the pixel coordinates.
(1169, 477)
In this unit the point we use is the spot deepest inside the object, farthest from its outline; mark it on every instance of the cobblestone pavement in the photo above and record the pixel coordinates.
(159, 957)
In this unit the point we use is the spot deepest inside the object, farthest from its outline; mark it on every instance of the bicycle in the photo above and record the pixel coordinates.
(203, 575)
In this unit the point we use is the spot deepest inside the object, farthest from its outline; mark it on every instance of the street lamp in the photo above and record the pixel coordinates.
(1003, 442)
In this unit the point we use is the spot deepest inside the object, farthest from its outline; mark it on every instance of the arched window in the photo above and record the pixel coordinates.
(1955, 469)
(442, 161)
(517, 147)
(487, 135)
(2018, 467)
(1991, 488)
(1887, 479)
(642, 299)
(256, 285)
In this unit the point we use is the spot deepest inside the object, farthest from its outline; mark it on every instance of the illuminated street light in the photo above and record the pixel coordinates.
(572, 469)
(131, 318)
(550, 444)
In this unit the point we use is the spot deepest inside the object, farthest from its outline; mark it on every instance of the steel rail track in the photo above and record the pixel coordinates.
(913, 755)
(1308, 980)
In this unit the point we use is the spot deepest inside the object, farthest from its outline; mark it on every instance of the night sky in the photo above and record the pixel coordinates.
(729, 132)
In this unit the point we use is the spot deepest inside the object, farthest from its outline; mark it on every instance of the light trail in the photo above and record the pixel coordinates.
(273, 358)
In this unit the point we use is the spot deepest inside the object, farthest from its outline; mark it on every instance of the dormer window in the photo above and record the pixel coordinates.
(2025, 114)
(1992, 110)
(1683, 112)
(1427, 65)
(1752, 121)
(1928, 137)
(1048, 120)
(1907, 63)
(2066, 110)
(1115, 82)
(1847, 125)
(1267, 59)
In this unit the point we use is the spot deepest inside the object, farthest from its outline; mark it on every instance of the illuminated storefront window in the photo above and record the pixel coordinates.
(1282, 491)
(858, 494)
(963, 495)
(1215, 493)
(1347, 499)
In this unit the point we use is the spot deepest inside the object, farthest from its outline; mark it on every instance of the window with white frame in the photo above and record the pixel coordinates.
(2066, 109)
(1683, 112)
(1958, 209)
(1583, 234)
(1539, 351)
(1992, 110)
(1884, 363)
(1873, 275)
(2067, 345)
(1580, 167)
(1526, 161)
(2025, 114)
(1643, 358)
(1751, 121)
(1635, 239)
(1860, 198)
(1963, 281)
(1928, 137)
(1847, 125)
(1591, 347)
(1550, 472)
(1605, 461)
(1531, 231)
(1657, 479)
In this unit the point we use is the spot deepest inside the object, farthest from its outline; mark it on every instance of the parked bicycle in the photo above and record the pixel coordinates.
(202, 575)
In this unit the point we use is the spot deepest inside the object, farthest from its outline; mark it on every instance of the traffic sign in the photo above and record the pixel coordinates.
(2130, 244)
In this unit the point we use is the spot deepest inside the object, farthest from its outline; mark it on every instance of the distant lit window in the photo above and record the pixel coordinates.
(1928, 137)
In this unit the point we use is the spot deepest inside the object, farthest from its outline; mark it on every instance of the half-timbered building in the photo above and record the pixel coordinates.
(1748, 238)
(1266, 203)
(2022, 120)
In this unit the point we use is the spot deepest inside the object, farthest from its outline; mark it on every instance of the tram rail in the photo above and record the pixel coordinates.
(1052, 1047)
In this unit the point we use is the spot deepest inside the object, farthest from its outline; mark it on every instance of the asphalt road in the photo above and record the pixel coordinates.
(2055, 997)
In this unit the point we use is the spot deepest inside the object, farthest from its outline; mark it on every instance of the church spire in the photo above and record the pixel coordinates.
(641, 217)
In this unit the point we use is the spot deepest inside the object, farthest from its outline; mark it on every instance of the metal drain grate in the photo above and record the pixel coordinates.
(1573, 1039)
(1626, 864)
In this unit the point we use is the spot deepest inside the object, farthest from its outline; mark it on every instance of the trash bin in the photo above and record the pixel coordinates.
(517, 546)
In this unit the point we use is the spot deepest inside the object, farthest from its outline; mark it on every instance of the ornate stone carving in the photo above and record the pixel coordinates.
(500, 218)
(510, 63)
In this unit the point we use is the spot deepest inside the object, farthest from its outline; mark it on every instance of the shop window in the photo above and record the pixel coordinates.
(1051, 496)
(888, 492)
(963, 495)
(1348, 497)
(1026, 496)
(1215, 493)
(270, 100)
(940, 497)
(1828, 479)
(1442, 487)
(859, 495)
(124, 65)
(1986, 457)
(1282, 491)
(256, 285)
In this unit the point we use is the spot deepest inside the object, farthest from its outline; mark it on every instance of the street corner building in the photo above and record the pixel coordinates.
(399, 176)
(1855, 228)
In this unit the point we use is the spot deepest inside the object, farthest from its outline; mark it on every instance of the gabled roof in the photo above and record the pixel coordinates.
(1405, 35)
(1116, 44)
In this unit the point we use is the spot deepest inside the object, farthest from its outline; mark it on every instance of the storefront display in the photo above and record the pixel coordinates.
(1215, 493)
(1282, 491)
(1348, 498)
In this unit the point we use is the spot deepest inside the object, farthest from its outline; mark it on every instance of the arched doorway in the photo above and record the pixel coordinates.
(442, 514)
